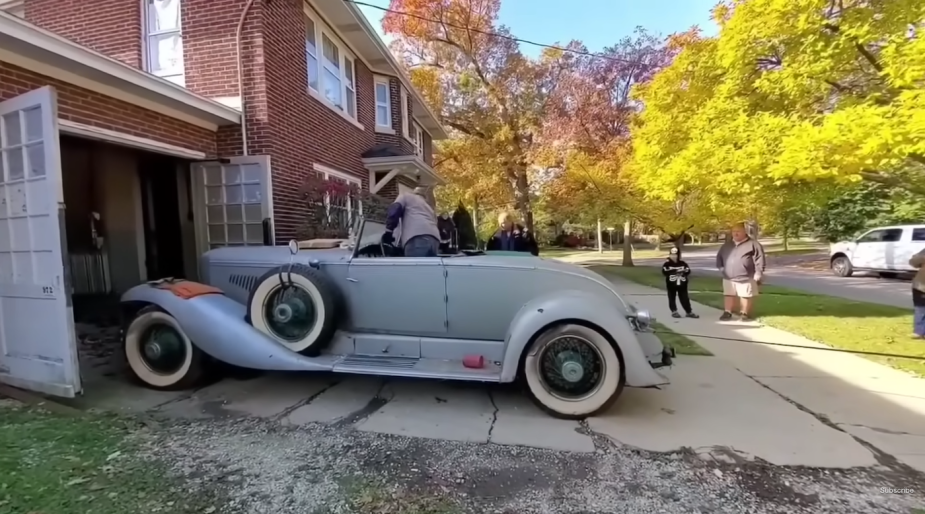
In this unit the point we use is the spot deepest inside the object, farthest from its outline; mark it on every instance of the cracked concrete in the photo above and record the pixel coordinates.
(845, 393)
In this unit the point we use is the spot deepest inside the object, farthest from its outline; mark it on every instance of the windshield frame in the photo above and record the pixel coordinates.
(362, 228)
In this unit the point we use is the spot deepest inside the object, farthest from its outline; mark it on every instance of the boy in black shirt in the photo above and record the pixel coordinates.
(676, 273)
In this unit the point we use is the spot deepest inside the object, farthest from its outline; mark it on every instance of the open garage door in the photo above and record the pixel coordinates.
(232, 202)
(38, 349)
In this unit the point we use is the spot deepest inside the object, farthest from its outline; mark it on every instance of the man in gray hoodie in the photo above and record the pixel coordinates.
(742, 263)
(419, 234)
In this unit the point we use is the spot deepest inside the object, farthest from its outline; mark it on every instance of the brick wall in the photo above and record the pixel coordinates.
(210, 60)
(301, 130)
(111, 27)
(90, 108)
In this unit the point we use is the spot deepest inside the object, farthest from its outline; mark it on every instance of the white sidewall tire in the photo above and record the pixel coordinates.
(258, 315)
(606, 394)
(136, 362)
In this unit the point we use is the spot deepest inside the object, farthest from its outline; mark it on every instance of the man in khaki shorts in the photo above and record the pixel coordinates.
(741, 261)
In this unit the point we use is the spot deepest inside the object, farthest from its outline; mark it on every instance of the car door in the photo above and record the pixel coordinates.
(871, 249)
(397, 295)
(892, 248)
(913, 243)
(38, 348)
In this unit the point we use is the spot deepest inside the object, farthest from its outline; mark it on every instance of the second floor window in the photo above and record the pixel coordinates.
(383, 104)
(417, 138)
(163, 40)
(331, 69)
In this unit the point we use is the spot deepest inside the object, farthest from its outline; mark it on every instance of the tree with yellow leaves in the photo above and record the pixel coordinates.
(790, 91)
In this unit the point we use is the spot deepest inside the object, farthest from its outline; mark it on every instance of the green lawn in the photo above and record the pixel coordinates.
(54, 464)
(682, 344)
(617, 253)
(837, 322)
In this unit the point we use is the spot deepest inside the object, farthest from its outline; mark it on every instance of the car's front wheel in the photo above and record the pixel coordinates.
(159, 353)
(842, 267)
(573, 371)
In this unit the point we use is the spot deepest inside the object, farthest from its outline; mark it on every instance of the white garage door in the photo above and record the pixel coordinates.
(231, 200)
(38, 349)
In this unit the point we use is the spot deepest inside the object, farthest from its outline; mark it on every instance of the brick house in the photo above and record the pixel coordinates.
(123, 143)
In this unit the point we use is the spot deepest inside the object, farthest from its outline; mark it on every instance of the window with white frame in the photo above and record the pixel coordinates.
(417, 137)
(340, 210)
(331, 67)
(383, 103)
(163, 40)
(405, 127)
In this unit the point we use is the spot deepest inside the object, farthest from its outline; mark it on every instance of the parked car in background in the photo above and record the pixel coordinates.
(883, 250)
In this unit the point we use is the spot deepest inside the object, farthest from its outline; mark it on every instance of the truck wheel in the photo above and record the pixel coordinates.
(841, 266)
(297, 307)
(572, 372)
(160, 355)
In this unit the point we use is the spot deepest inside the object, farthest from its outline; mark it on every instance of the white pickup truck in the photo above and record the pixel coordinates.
(884, 250)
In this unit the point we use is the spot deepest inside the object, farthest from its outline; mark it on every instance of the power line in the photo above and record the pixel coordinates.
(492, 34)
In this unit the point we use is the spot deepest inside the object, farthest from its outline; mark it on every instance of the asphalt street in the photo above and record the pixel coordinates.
(894, 292)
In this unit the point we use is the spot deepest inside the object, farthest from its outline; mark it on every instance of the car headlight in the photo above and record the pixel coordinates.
(643, 319)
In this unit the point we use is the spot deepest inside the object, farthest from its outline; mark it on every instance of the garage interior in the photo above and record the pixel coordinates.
(128, 219)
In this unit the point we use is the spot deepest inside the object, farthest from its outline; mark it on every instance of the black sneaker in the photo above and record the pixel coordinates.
(745, 318)
(675, 314)
(726, 316)
(692, 315)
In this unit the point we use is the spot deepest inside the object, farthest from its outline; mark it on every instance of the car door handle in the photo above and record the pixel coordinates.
(352, 279)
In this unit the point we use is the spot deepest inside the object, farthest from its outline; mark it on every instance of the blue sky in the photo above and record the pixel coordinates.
(598, 23)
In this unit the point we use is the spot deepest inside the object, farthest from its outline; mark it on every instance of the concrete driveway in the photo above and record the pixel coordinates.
(711, 407)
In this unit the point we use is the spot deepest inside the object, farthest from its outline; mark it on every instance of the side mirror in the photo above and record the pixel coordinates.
(293, 246)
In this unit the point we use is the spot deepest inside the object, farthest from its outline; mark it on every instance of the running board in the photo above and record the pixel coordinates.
(420, 368)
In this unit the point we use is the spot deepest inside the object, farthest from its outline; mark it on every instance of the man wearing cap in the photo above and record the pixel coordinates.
(741, 261)
(419, 234)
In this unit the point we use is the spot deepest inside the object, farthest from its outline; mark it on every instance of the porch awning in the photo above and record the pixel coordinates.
(408, 165)
(35, 49)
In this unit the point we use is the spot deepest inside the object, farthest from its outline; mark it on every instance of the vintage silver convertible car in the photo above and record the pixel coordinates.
(561, 329)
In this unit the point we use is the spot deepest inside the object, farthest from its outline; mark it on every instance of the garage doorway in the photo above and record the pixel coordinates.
(127, 220)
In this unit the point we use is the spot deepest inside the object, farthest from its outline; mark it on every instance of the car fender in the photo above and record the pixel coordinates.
(597, 309)
(216, 325)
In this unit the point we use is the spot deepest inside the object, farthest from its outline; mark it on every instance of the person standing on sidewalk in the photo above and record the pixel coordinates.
(742, 263)
(676, 274)
(918, 295)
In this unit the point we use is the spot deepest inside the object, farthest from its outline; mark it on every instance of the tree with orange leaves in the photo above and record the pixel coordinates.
(471, 69)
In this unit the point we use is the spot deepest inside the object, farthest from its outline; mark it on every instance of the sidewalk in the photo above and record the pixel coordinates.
(877, 404)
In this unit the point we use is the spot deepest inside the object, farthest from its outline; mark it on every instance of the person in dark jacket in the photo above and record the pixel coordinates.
(466, 238)
(677, 273)
(447, 234)
(512, 237)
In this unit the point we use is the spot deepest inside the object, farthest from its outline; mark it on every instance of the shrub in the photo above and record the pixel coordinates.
(332, 205)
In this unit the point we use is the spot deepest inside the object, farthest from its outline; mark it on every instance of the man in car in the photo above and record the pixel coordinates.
(741, 261)
(419, 234)
(512, 237)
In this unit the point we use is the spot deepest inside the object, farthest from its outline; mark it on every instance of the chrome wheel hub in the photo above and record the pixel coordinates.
(153, 350)
(572, 371)
(571, 368)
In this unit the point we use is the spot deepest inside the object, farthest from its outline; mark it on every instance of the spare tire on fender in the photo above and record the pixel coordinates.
(295, 306)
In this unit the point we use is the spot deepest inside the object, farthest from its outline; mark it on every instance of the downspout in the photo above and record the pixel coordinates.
(240, 63)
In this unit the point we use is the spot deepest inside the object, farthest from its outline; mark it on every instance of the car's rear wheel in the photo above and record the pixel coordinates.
(573, 371)
(841, 266)
(296, 307)
(159, 353)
